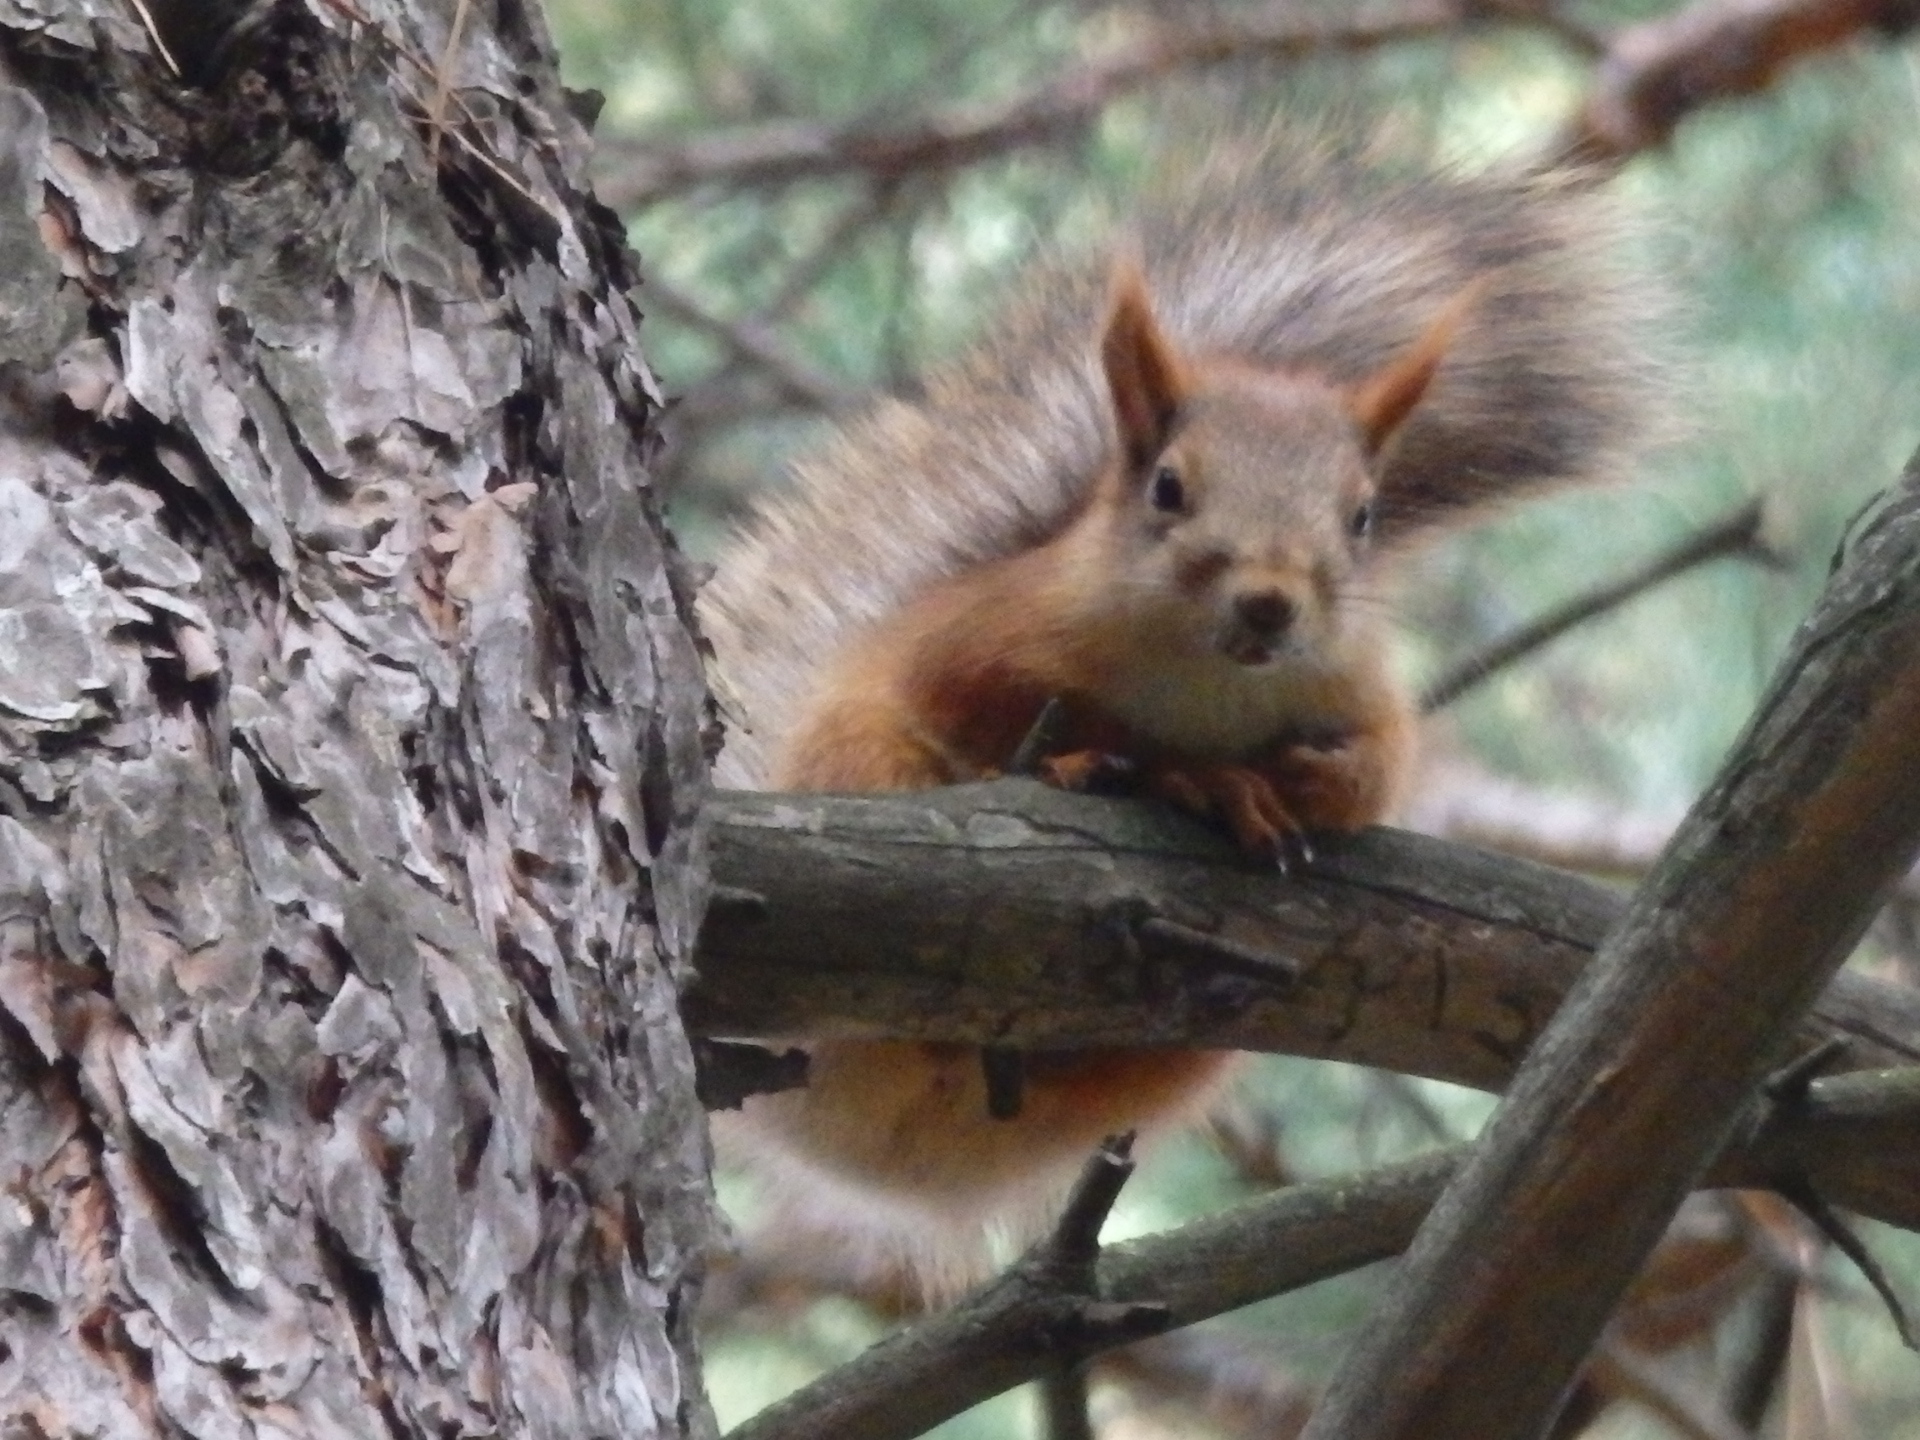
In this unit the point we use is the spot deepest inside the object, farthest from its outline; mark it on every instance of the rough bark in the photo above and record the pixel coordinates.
(350, 737)
(1646, 1069)
(1013, 914)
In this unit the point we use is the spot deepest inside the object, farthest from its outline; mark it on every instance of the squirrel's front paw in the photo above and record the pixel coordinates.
(1090, 772)
(1330, 787)
(1253, 810)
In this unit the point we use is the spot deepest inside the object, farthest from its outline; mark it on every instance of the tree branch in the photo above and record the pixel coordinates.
(1017, 915)
(753, 343)
(1620, 1106)
(1740, 534)
(1657, 73)
(1652, 76)
(1284, 1241)
(634, 174)
(1044, 1313)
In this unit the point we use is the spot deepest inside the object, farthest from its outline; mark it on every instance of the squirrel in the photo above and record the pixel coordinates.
(1164, 490)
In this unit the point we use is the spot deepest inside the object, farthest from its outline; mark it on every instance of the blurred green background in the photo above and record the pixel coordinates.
(1788, 224)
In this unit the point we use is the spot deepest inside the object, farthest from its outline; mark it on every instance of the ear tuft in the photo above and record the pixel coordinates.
(1144, 375)
(1381, 403)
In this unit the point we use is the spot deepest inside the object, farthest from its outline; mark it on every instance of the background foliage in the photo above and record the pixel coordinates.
(1789, 227)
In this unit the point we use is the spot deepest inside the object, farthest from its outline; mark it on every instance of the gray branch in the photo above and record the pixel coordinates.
(1013, 914)
(1699, 989)
(1740, 534)
(1016, 915)
(783, 151)
(1283, 1241)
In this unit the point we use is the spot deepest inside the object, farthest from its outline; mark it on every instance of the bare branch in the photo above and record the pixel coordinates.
(1619, 1107)
(1548, 15)
(1063, 1399)
(1046, 1312)
(1017, 915)
(1658, 72)
(873, 204)
(1652, 76)
(635, 174)
(1280, 1242)
(753, 343)
(1740, 535)
(1760, 1359)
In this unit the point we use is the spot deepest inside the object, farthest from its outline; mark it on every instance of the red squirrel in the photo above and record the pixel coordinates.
(1179, 533)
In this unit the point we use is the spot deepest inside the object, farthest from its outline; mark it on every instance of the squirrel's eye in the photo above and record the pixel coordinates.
(1361, 525)
(1168, 493)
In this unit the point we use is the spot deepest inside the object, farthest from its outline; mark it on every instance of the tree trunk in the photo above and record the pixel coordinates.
(350, 738)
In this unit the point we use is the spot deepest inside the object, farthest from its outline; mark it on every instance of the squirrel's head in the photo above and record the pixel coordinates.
(1241, 499)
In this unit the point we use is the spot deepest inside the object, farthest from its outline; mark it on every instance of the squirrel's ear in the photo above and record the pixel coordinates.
(1381, 403)
(1143, 372)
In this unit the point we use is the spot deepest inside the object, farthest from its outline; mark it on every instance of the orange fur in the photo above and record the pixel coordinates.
(1151, 489)
(1154, 660)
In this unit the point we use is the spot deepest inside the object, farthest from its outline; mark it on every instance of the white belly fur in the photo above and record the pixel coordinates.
(1215, 707)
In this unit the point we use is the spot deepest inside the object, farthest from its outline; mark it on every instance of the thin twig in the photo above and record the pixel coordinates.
(1046, 1312)
(1830, 1223)
(443, 82)
(1063, 1402)
(873, 203)
(752, 343)
(153, 34)
(1753, 1373)
(1740, 534)
(1585, 41)
(514, 184)
(1041, 739)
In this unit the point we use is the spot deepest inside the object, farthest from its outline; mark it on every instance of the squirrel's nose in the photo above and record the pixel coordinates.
(1265, 612)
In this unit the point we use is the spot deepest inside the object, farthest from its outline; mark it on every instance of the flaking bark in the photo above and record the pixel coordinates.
(350, 739)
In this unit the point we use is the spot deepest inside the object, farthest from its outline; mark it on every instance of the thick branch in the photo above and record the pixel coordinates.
(1017, 915)
(1621, 1105)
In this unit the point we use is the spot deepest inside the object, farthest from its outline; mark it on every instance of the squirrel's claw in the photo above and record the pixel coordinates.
(1295, 851)
(1260, 820)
